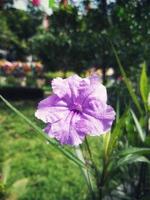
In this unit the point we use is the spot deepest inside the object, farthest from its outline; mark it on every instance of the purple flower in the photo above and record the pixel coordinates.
(77, 108)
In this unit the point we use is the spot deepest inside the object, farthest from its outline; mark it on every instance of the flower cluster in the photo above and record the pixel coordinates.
(77, 108)
(20, 68)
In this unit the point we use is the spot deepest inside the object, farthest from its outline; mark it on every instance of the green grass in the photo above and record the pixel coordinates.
(50, 175)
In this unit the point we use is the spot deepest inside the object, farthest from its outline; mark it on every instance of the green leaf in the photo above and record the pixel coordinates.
(121, 12)
(6, 170)
(106, 142)
(142, 134)
(117, 131)
(144, 85)
(135, 150)
(66, 152)
(52, 4)
(125, 159)
(85, 171)
(18, 188)
(130, 159)
(117, 110)
(149, 101)
(127, 82)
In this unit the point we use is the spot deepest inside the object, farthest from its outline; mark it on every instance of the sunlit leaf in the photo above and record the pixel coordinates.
(138, 127)
(106, 142)
(52, 3)
(6, 170)
(18, 189)
(148, 101)
(144, 85)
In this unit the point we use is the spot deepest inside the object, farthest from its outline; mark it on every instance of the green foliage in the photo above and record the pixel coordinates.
(52, 4)
(138, 126)
(32, 165)
(144, 87)
(66, 152)
(127, 82)
(14, 32)
(75, 41)
(6, 36)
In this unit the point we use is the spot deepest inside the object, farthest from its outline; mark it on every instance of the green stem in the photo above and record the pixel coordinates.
(96, 172)
(102, 180)
(86, 173)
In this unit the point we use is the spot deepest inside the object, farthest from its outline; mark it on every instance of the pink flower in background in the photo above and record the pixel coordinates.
(36, 2)
(77, 108)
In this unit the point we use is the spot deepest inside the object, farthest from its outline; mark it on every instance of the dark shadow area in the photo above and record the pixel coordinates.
(20, 93)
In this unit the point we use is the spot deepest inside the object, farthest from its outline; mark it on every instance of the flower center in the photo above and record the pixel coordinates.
(76, 107)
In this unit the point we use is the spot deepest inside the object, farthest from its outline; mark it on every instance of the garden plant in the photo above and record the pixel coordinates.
(77, 109)
(87, 139)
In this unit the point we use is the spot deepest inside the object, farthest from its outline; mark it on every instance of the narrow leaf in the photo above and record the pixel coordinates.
(148, 101)
(6, 170)
(127, 81)
(117, 110)
(117, 131)
(130, 159)
(106, 139)
(138, 126)
(135, 150)
(144, 85)
(85, 171)
(124, 160)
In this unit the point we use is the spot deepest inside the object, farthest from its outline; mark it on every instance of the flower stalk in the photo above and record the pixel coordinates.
(86, 173)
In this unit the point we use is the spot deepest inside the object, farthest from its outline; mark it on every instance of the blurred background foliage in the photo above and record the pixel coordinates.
(76, 37)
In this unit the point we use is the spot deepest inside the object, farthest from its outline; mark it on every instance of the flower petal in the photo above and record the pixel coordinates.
(92, 126)
(74, 82)
(92, 88)
(60, 87)
(66, 87)
(47, 130)
(94, 107)
(51, 109)
(65, 132)
(109, 113)
(51, 114)
(52, 100)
